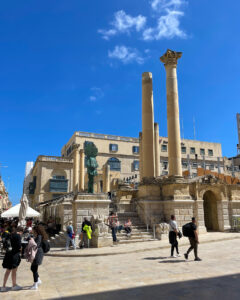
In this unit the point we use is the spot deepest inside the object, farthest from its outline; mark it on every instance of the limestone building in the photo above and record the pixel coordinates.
(51, 177)
(4, 199)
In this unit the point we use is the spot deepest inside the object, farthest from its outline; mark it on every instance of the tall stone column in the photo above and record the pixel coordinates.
(157, 150)
(76, 169)
(148, 151)
(82, 170)
(174, 141)
(106, 178)
(140, 157)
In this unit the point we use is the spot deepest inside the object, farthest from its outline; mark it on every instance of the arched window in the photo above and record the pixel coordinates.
(115, 164)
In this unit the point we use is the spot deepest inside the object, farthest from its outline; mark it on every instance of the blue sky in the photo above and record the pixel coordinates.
(68, 65)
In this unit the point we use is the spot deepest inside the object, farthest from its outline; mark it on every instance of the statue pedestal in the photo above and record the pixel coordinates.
(96, 208)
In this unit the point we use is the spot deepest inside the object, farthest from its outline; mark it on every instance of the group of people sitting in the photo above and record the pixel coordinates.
(30, 242)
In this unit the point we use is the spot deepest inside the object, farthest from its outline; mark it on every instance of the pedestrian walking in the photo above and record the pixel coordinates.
(173, 234)
(12, 258)
(70, 236)
(190, 230)
(40, 237)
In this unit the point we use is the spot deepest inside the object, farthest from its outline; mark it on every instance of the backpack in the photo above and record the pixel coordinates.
(7, 243)
(187, 229)
(45, 246)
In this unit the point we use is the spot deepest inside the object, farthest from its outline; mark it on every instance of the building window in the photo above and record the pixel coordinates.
(58, 184)
(136, 165)
(135, 149)
(211, 167)
(202, 151)
(32, 185)
(113, 147)
(165, 165)
(192, 150)
(184, 164)
(210, 152)
(164, 148)
(69, 150)
(194, 165)
(184, 150)
(115, 164)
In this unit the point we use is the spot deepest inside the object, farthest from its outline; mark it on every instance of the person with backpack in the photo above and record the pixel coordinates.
(86, 233)
(190, 231)
(41, 239)
(173, 233)
(12, 258)
(70, 236)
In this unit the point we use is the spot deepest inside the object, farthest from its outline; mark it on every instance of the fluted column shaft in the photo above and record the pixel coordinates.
(76, 170)
(82, 170)
(174, 141)
(148, 151)
(140, 157)
(157, 150)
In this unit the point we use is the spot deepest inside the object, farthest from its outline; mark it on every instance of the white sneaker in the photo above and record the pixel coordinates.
(3, 289)
(16, 288)
(39, 282)
(173, 256)
(178, 255)
(34, 287)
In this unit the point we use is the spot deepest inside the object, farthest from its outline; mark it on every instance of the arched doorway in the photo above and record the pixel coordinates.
(210, 211)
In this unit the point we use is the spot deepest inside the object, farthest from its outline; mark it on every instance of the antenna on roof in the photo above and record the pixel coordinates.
(194, 129)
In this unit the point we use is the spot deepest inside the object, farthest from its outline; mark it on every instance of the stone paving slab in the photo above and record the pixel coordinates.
(139, 247)
(151, 274)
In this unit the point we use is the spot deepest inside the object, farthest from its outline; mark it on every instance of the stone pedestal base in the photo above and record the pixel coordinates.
(96, 208)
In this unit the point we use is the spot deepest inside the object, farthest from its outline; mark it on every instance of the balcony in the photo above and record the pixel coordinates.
(58, 185)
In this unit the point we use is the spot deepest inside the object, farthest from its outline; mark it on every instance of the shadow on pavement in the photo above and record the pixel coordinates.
(155, 258)
(222, 288)
(172, 261)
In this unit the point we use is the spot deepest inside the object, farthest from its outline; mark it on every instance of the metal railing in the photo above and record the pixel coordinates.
(54, 158)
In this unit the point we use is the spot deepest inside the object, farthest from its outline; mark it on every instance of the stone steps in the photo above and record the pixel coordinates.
(139, 229)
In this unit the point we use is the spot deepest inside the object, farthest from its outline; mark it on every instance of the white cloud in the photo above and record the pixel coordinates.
(168, 26)
(96, 94)
(126, 55)
(159, 5)
(123, 23)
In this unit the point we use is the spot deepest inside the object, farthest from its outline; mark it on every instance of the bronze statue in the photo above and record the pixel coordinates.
(91, 152)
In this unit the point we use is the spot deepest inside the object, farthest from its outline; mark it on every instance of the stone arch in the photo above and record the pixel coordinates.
(114, 163)
(58, 172)
(210, 206)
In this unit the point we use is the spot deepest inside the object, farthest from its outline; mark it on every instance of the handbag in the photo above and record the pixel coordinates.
(179, 234)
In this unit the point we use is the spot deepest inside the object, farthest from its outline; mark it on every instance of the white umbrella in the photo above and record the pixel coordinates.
(23, 210)
(14, 212)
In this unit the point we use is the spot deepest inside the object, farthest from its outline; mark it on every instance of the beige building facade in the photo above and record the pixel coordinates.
(4, 199)
(53, 176)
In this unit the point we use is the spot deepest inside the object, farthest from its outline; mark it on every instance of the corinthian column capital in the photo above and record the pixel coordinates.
(170, 58)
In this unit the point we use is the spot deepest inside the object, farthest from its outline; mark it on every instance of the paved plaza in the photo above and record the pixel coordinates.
(146, 274)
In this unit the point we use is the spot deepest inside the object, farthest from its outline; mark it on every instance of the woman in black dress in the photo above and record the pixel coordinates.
(40, 235)
(12, 259)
